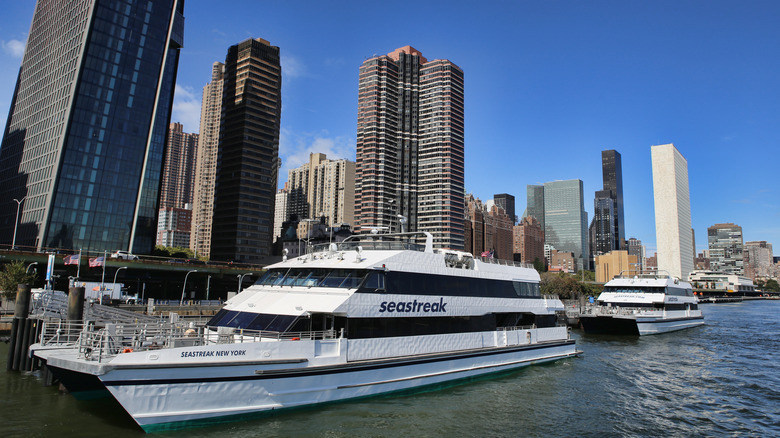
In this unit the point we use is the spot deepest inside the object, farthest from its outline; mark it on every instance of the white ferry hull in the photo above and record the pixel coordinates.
(636, 325)
(657, 326)
(159, 401)
(176, 395)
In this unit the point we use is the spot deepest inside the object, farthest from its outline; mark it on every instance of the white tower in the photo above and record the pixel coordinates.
(673, 230)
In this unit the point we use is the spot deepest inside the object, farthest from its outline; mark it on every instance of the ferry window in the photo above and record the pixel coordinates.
(280, 278)
(216, 319)
(375, 281)
(315, 277)
(353, 280)
(269, 278)
(241, 320)
(281, 323)
(342, 278)
(290, 278)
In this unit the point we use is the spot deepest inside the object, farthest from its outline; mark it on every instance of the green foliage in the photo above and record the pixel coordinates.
(772, 285)
(177, 252)
(14, 274)
(589, 275)
(539, 265)
(568, 286)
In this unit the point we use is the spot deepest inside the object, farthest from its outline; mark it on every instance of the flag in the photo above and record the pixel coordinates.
(72, 259)
(95, 262)
(485, 253)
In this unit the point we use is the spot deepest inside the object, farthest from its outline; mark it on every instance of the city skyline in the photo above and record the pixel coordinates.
(548, 87)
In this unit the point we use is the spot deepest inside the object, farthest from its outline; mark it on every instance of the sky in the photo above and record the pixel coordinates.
(548, 86)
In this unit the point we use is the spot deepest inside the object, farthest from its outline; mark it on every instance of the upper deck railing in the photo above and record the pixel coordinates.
(390, 241)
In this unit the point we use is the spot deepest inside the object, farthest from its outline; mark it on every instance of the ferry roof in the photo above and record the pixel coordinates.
(648, 281)
(410, 261)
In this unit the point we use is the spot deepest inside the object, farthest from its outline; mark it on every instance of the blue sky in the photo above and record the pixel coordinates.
(549, 85)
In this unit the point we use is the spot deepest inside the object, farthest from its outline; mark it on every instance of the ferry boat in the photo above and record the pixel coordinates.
(644, 304)
(375, 314)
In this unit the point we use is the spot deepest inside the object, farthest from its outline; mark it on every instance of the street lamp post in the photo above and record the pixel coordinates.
(18, 205)
(241, 280)
(117, 272)
(27, 271)
(183, 287)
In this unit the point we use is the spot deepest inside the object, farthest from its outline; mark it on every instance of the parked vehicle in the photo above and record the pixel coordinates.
(124, 255)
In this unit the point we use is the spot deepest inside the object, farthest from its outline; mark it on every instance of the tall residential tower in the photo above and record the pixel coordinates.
(248, 162)
(206, 166)
(410, 146)
(83, 147)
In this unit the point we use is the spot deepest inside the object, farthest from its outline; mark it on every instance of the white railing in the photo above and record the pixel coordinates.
(614, 310)
(101, 342)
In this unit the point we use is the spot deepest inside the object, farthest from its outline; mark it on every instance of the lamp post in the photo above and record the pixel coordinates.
(18, 205)
(181, 303)
(27, 271)
(117, 272)
(241, 280)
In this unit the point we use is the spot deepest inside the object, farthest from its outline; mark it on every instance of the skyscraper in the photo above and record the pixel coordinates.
(725, 244)
(248, 162)
(612, 175)
(535, 203)
(672, 211)
(565, 219)
(206, 167)
(410, 146)
(83, 146)
(178, 168)
(507, 202)
(603, 240)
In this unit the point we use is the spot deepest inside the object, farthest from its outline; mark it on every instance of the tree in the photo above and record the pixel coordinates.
(538, 265)
(14, 274)
(772, 285)
(169, 251)
(564, 285)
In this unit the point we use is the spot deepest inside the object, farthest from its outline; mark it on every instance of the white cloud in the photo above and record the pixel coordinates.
(294, 148)
(15, 48)
(292, 67)
(186, 109)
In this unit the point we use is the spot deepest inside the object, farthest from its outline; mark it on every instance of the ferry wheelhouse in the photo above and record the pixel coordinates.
(643, 304)
(368, 316)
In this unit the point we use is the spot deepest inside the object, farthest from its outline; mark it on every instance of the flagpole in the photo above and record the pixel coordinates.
(78, 266)
(103, 278)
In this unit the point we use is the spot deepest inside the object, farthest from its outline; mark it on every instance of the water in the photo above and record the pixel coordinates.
(721, 379)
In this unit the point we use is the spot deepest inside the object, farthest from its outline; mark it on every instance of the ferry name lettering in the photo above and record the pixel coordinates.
(213, 353)
(413, 306)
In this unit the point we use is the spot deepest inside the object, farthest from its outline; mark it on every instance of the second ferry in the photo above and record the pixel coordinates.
(644, 304)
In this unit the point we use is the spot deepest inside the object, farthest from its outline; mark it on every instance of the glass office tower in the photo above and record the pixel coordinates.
(85, 137)
(565, 219)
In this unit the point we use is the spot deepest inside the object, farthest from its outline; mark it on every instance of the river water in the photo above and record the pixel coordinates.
(720, 379)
